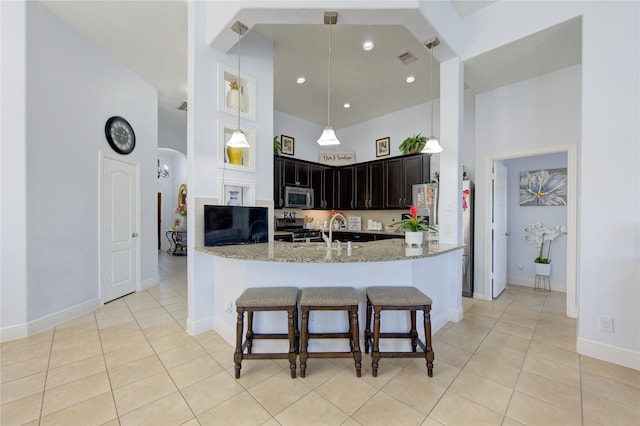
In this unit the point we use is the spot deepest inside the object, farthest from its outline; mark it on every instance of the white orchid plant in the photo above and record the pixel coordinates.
(541, 236)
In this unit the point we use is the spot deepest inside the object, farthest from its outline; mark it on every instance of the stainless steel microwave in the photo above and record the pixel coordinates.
(298, 198)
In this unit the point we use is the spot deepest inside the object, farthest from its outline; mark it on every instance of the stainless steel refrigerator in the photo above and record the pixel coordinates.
(425, 198)
(467, 238)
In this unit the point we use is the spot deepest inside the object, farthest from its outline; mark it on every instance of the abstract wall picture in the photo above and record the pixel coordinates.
(543, 187)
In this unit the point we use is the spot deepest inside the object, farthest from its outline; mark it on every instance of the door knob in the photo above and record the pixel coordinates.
(507, 234)
(134, 234)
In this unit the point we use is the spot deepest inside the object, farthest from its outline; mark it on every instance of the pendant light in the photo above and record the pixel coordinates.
(238, 139)
(328, 136)
(432, 146)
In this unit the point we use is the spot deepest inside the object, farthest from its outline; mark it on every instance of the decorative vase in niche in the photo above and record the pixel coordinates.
(234, 97)
(233, 198)
(413, 239)
(543, 269)
(235, 155)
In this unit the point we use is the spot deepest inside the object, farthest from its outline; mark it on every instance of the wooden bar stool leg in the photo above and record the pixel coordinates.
(304, 341)
(428, 353)
(355, 339)
(414, 332)
(375, 351)
(367, 330)
(237, 356)
(249, 331)
(292, 342)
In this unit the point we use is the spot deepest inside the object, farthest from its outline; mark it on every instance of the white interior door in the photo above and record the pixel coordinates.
(499, 229)
(119, 236)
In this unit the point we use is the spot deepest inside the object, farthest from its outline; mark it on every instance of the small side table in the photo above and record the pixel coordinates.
(178, 240)
(542, 283)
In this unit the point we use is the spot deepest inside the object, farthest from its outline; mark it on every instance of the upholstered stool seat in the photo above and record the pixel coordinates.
(330, 299)
(266, 299)
(398, 299)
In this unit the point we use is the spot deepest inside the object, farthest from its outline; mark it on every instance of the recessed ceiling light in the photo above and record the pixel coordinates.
(346, 105)
(301, 79)
(368, 45)
(410, 79)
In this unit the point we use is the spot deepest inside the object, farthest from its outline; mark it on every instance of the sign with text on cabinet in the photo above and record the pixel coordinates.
(337, 158)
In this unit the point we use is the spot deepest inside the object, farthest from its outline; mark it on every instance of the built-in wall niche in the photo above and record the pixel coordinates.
(237, 193)
(233, 92)
(236, 160)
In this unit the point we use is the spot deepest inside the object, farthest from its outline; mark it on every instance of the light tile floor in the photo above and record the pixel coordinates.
(511, 361)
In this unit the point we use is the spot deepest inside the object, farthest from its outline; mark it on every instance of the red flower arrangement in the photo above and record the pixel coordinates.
(414, 223)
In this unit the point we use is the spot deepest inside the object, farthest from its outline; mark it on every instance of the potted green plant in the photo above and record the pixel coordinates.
(413, 144)
(277, 148)
(414, 225)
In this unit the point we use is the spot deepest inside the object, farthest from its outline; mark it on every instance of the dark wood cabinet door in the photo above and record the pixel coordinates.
(278, 196)
(328, 188)
(289, 172)
(395, 185)
(361, 186)
(345, 188)
(317, 178)
(297, 173)
(304, 174)
(376, 185)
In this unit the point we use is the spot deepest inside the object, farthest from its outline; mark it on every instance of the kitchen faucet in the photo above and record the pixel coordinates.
(330, 237)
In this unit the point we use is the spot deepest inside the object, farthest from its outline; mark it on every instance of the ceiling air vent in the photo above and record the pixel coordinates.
(407, 57)
(182, 106)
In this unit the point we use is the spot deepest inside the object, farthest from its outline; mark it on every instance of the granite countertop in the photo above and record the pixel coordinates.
(374, 251)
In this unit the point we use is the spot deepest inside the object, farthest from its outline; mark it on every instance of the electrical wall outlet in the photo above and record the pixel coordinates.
(605, 323)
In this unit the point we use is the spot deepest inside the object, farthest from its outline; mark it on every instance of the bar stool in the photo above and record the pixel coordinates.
(330, 299)
(398, 299)
(267, 299)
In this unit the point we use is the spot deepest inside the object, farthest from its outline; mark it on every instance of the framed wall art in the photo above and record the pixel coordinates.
(543, 187)
(382, 147)
(287, 143)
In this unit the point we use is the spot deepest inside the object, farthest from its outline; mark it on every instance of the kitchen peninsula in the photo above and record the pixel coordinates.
(386, 262)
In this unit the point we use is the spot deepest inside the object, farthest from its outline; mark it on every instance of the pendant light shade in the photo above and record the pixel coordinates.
(238, 139)
(328, 136)
(432, 146)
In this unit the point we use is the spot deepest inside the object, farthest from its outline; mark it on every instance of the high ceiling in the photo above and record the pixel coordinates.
(151, 38)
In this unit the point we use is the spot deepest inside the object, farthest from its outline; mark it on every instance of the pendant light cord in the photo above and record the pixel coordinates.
(329, 88)
(239, 32)
(431, 88)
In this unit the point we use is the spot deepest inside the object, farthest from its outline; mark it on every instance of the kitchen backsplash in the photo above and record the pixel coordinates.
(386, 217)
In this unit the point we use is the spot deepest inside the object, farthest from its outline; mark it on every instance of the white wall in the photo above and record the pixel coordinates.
(519, 252)
(203, 115)
(305, 134)
(13, 160)
(72, 88)
(538, 113)
(590, 108)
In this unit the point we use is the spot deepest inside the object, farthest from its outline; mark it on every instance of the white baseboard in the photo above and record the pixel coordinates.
(529, 282)
(615, 355)
(149, 282)
(200, 326)
(226, 332)
(48, 321)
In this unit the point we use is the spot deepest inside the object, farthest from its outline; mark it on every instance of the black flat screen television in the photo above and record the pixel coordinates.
(226, 225)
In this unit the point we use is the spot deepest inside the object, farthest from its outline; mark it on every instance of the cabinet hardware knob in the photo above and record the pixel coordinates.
(134, 234)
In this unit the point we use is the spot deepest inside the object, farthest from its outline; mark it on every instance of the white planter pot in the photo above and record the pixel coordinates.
(413, 239)
(542, 269)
